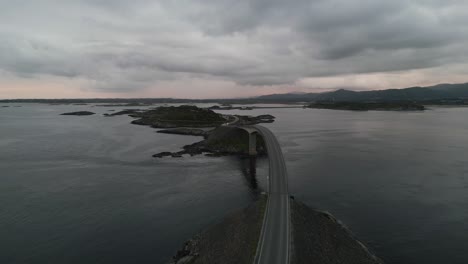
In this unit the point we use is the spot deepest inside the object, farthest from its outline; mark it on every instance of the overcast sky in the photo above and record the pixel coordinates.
(219, 48)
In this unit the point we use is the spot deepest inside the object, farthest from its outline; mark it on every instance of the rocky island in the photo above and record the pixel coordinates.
(181, 116)
(221, 141)
(174, 116)
(126, 104)
(367, 106)
(190, 120)
(79, 113)
(188, 116)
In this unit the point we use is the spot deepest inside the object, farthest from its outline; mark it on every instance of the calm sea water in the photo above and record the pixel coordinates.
(86, 189)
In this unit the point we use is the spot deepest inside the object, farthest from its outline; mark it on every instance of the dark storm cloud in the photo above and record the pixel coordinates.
(344, 28)
(125, 45)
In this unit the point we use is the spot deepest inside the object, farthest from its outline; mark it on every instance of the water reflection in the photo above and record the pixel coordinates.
(249, 170)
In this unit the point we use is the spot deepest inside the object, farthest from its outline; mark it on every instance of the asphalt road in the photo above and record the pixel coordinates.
(274, 239)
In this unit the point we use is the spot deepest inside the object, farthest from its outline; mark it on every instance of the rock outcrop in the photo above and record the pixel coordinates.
(318, 237)
(185, 131)
(232, 241)
(79, 113)
(221, 141)
(180, 116)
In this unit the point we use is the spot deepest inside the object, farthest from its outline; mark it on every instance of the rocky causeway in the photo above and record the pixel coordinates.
(316, 237)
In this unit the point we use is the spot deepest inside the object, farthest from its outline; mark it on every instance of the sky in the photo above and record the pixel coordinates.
(225, 49)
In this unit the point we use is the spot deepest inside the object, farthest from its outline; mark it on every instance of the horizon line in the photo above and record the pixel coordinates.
(229, 98)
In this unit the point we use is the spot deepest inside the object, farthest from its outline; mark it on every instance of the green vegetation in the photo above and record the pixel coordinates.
(221, 141)
(178, 116)
(228, 140)
(231, 145)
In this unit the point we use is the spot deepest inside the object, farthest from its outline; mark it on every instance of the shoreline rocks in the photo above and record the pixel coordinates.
(316, 237)
(319, 237)
(185, 131)
(222, 141)
(181, 117)
(129, 112)
(189, 120)
(253, 120)
(231, 241)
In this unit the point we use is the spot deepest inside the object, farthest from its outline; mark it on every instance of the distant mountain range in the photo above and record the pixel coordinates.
(420, 94)
(438, 94)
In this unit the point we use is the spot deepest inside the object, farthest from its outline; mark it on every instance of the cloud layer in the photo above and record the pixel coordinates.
(133, 46)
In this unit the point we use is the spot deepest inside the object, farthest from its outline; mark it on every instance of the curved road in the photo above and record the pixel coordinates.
(273, 247)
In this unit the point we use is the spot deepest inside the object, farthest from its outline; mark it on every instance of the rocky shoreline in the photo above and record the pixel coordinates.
(219, 132)
(231, 241)
(218, 138)
(221, 141)
(187, 116)
(180, 116)
(316, 237)
(185, 131)
(319, 237)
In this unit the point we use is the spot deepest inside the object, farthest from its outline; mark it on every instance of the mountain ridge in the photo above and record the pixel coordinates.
(437, 94)
(416, 93)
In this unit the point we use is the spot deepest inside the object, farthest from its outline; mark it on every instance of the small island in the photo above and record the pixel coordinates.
(178, 116)
(367, 106)
(221, 141)
(219, 132)
(130, 104)
(79, 113)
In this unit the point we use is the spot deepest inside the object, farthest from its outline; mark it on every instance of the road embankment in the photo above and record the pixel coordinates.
(317, 237)
(231, 241)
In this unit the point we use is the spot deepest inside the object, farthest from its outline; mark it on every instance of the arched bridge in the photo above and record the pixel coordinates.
(253, 131)
(274, 241)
